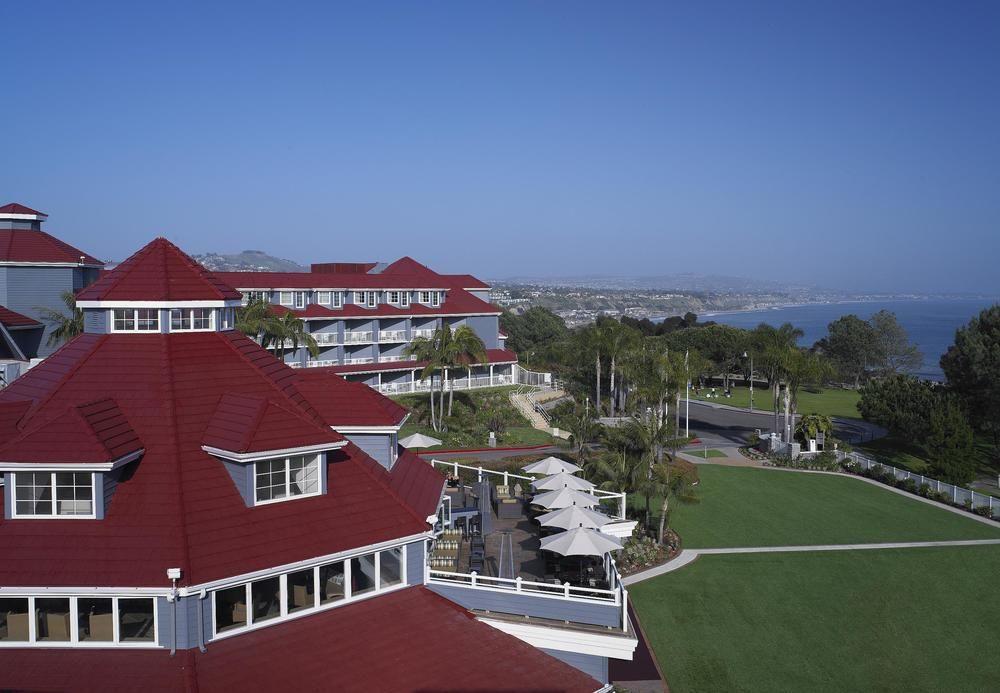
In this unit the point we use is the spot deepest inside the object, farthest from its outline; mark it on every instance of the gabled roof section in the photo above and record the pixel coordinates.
(92, 433)
(407, 265)
(346, 404)
(159, 271)
(17, 208)
(9, 318)
(11, 414)
(37, 247)
(245, 424)
(417, 482)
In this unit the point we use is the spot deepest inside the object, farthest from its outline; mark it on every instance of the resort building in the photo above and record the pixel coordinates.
(363, 316)
(183, 511)
(35, 270)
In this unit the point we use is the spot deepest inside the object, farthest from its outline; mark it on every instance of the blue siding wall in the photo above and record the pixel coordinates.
(378, 446)
(415, 563)
(242, 476)
(30, 287)
(531, 605)
(487, 327)
(592, 665)
(3, 286)
(95, 321)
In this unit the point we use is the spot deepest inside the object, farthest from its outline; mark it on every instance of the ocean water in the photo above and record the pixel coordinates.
(930, 323)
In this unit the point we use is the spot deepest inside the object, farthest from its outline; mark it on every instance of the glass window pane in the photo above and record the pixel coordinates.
(202, 318)
(331, 582)
(149, 319)
(301, 590)
(52, 619)
(270, 480)
(124, 319)
(304, 474)
(95, 619)
(135, 620)
(362, 574)
(14, 619)
(266, 596)
(33, 493)
(74, 493)
(391, 567)
(230, 608)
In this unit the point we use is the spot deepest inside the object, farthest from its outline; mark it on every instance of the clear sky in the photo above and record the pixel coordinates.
(847, 145)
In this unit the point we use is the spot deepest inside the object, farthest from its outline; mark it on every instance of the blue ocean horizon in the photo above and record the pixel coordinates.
(930, 323)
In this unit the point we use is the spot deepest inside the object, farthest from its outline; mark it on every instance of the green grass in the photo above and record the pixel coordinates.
(898, 452)
(705, 454)
(742, 506)
(884, 620)
(829, 401)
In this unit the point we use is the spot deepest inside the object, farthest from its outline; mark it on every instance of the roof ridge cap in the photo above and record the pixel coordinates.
(172, 404)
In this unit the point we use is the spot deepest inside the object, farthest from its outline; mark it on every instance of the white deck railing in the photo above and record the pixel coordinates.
(326, 337)
(391, 359)
(359, 360)
(457, 384)
(392, 336)
(426, 334)
(357, 337)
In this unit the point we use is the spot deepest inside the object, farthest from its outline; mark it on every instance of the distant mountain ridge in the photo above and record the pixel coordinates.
(248, 261)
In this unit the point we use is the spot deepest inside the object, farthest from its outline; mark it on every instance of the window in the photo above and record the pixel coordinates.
(287, 477)
(300, 299)
(393, 298)
(278, 597)
(406, 299)
(323, 297)
(182, 319)
(436, 298)
(285, 298)
(136, 320)
(425, 297)
(53, 621)
(255, 296)
(338, 299)
(359, 297)
(372, 299)
(54, 494)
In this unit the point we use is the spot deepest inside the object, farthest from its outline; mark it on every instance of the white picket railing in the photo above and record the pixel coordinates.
(359, 360)
(357, 337)
(425, 386)
(957, 494)
(326, 337)
(391, 359)
(426, 334)
(392, 336)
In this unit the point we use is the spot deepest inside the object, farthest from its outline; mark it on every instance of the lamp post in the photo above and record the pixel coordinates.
(750, 356)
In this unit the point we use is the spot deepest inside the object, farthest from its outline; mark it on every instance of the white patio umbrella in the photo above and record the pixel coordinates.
(551, 465)
(564, 498)
(581, 541)
(419, 440)
(574, 516)
(562, 480)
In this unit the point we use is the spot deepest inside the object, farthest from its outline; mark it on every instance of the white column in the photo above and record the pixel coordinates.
(491, 374)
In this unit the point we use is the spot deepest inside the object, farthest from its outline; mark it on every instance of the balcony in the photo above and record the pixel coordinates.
(426, 334)
(326, 338)
(392, 336)
(358, 338)
(457, 384)
(390, 359)
(358, 360)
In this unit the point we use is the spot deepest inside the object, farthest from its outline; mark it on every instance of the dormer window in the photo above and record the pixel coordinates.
(435, 298)
(323, 298)
(136, 320)
(54, 494)
(190, 319)
(393, 298)
(285, 478)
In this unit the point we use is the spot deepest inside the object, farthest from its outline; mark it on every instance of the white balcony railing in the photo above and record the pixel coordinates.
(326, 338)
(426, 334)
(392, 336)
(358, 337)
(322, 363)
(358, 360)
(390, 359)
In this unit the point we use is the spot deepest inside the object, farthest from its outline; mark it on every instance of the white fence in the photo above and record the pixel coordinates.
(957, 494)
(526, 377)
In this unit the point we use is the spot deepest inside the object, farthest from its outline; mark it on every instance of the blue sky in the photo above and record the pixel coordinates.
(841, 144)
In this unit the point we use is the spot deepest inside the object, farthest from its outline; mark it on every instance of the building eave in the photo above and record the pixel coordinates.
(268, 454)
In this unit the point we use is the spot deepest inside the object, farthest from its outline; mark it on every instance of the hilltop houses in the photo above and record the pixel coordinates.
(183, 511)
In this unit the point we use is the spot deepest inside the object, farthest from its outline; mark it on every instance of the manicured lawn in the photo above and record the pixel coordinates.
(742, 506)
(898, 452)
(882, 620)
(829, 401)
(705, 454)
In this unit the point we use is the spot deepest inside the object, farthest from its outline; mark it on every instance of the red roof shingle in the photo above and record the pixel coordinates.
(28, 245)
(9, 318)
(17, 208)
(159, 271)
(248, 423)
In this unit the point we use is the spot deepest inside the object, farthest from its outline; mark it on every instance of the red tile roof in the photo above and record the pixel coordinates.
(159, 271)
(343, 403)
(28, 245)
(494, 356)
(465, 281)
(16, 208)
(417, 482)
(406, 265)
(409, 640)
(330, 280)
(9, 318)
(247, 423)
(180, 508)
(95, 432)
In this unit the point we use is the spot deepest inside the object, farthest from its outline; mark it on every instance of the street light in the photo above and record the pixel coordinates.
(750, 356)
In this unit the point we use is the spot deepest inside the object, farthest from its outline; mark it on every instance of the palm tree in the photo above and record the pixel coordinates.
(669, 484)
(648, 435)
(802, 367)
(773, 346)
(617, 338)
(289, 328)
(64, 327)
(428, 350)
(254, 319)
(464, 348)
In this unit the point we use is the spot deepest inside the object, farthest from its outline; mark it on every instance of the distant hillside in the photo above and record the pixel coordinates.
(248, 261)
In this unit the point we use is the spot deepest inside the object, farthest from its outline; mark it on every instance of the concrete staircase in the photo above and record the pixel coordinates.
(525, 399)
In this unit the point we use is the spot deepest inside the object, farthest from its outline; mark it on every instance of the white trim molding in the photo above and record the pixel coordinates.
(71, 466)
(269, 454)
(615, 644)
(213, 303)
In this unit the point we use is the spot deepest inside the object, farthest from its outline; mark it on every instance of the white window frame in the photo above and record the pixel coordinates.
(300, 299)
(74, 620)
(317, 606)
(359, 298)
(323, 297)
(55, 516)
(372, 299)
(135, 321)
(317, 460)
(404, 299)
(425, 297)
(393, 297)
(285, 298)
(435, 298)
(337, 299)
(190, 319)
